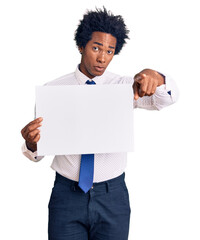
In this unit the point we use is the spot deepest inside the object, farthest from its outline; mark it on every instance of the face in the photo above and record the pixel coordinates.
(97, 54)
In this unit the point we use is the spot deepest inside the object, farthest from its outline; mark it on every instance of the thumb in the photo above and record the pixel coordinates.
(138, 77)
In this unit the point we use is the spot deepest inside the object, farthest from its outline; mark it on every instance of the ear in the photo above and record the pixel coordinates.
(80, 49)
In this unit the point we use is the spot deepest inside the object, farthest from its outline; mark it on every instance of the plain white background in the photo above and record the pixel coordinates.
(163, 173)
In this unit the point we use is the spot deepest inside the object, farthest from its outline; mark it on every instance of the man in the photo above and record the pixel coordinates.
(99, 209)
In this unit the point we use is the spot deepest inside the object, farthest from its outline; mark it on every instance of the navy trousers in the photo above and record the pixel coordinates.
(101, 214)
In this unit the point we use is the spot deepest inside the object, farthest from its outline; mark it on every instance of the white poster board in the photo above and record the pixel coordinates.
(80, 119)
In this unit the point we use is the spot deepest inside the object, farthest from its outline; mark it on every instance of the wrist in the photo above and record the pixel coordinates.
(30, 146)
(161, 78)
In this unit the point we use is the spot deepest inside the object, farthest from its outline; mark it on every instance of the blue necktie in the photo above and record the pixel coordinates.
(87, 167)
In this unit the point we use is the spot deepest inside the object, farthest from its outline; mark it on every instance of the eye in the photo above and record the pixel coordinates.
(95, 49)
(110, 52)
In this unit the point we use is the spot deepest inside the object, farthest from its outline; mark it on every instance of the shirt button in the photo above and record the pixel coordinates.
(92, 187)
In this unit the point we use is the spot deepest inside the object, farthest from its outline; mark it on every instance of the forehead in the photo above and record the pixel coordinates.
(104, 38)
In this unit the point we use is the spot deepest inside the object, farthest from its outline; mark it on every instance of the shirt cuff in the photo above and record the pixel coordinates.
(29, 154)
(170, 88)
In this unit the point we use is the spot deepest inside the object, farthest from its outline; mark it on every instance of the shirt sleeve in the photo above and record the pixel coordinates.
(30, 155)
(164, 96)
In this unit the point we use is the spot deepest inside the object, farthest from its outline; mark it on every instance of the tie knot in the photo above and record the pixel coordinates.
(90, 82)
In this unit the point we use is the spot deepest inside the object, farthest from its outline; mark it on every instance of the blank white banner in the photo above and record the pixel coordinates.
(83, 119)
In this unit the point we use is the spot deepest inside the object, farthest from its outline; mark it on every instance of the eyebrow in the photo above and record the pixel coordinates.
(100, 44)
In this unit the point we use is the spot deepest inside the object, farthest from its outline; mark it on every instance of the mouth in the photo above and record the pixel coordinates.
(99, 68)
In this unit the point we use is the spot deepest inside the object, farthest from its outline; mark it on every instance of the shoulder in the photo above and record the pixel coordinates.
(68, 79)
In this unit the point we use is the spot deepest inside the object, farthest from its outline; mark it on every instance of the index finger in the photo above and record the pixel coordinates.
(35, 121)
(136, 90)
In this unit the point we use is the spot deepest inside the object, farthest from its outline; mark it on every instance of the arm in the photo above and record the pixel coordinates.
(153, 90)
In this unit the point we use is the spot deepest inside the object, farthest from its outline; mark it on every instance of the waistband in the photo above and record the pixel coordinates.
(101, 186)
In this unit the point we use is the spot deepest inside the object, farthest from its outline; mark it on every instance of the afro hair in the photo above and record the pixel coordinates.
(101, 20)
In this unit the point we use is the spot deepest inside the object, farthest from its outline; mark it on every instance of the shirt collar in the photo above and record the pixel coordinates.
(82, 78)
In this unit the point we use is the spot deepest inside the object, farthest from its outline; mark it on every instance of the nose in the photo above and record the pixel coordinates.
(101, 58)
